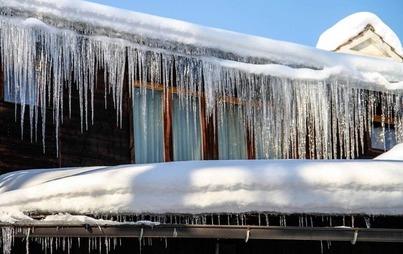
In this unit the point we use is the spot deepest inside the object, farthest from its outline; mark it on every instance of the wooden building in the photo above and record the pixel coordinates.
(97, 86)
(138, 99)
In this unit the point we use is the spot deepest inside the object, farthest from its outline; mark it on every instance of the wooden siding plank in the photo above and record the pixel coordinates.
(168, 139)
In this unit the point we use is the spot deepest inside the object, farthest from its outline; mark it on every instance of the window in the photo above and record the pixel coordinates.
(266, 145)
(170, 126)
(383, 138)
(232, 143)
(187, 144)
(20, 94)
(148, 126)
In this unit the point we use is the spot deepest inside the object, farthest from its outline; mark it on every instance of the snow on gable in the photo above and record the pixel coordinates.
(362, 33)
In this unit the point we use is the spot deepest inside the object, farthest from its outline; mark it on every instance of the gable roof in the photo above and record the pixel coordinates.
(369, 42)
(352, 26)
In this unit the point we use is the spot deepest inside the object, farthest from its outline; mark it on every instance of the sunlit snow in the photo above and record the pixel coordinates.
(396, 153)
(203, 187)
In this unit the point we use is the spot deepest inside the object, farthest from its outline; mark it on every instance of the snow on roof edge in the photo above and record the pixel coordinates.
(282, 53)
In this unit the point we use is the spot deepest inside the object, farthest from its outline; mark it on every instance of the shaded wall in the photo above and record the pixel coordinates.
(104, 143)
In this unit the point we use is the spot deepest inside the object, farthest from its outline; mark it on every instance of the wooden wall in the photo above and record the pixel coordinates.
(17, 153)
(104, 143)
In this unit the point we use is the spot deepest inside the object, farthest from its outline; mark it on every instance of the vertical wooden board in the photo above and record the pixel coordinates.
(168, 141)
(17, 153)
(105, 142)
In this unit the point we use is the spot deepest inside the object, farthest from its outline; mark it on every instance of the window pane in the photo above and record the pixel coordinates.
(231, 133)
(187, 143)
(148, 126)
(383, 140)
(20, 94)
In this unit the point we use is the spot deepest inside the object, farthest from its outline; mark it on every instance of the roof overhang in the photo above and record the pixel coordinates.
(245, 232)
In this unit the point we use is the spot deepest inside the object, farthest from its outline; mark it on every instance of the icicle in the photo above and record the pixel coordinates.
(7, 239)
(321, 247)
(107, 245)
(115, 243)
(50, 245)
(259, 221)
(329, 245)
(367, 222)
(267, 219)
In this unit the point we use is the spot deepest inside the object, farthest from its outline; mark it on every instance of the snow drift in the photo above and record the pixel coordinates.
(204, 187)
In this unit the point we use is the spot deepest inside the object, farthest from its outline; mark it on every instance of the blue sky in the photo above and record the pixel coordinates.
(299, 21)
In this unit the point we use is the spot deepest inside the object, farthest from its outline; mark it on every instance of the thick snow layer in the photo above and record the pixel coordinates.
(199, 187)
(351, 26)
(169, 30)
(396, 153)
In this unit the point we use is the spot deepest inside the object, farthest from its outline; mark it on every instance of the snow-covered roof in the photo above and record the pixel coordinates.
(164, 33)
(369, 187)
(354, 24)
(72, 39)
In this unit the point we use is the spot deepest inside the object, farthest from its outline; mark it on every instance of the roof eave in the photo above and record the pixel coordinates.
(245, 232)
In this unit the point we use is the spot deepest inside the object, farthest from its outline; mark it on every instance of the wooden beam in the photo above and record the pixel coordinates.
(245, 232)
(167, 114)
(175, 90)
(387, 120)
(209, 134)
(2, 85)
(250, 143)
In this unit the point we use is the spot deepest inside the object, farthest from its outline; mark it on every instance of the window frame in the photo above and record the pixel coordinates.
(208, 124)
(377, 120)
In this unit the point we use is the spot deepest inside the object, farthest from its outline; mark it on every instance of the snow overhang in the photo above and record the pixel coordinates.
(179, 37)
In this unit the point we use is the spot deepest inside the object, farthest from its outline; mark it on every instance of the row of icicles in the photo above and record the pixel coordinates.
(106, 244)
(286, 118)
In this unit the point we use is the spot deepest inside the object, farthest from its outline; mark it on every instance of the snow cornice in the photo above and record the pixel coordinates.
(184, 38)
